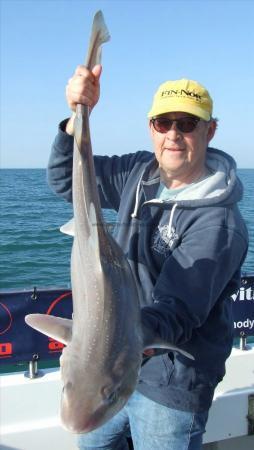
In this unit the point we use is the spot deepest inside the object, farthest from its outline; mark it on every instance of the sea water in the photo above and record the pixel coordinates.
(33, 250)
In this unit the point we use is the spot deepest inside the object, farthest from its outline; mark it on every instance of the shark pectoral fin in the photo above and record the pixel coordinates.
(68, 228)
(152, 341)
(168, 347)
(55, 327)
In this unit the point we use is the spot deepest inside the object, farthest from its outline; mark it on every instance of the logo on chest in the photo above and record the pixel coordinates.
(164, 239)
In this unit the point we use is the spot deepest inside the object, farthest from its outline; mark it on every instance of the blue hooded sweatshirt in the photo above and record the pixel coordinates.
(185, 254)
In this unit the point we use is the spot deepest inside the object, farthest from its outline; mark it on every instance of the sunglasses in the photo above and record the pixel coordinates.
(184, 124)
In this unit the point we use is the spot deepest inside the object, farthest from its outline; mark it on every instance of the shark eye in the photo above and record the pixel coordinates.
(109, 396)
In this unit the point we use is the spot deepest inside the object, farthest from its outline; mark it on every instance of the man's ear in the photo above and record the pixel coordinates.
(211, 130)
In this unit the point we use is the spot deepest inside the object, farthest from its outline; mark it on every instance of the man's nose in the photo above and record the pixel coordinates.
(173, 133)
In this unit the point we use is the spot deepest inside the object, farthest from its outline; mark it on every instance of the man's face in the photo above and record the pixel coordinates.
(181, 156)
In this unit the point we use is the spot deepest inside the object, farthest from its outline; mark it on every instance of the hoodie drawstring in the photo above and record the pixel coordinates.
(135, 211)
(171, 219)
(134, 214)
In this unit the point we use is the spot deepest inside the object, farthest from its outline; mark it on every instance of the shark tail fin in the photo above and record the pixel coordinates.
(55, 327)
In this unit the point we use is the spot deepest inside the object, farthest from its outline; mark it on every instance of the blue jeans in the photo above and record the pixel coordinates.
(152, 427)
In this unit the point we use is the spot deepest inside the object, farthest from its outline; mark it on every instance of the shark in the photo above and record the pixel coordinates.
(104, 341)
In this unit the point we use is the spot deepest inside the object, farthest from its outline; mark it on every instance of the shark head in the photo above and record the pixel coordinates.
(92, 396)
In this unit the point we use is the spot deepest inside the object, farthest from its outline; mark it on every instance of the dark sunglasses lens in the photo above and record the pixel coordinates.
(187, 125)
(162, 125)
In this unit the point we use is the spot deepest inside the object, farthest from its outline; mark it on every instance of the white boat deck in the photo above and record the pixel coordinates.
(29, 410)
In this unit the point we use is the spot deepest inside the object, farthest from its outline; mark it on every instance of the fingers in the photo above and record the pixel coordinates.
(97, 72)
(84, 87)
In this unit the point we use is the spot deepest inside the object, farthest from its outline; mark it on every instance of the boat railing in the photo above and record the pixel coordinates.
(20, 343)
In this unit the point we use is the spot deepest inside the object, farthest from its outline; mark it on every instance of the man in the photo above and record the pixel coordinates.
(180, 227)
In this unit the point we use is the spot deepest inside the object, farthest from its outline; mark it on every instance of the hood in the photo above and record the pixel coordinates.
(221, 188)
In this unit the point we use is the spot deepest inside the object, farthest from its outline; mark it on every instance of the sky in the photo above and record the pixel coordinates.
(42, 42)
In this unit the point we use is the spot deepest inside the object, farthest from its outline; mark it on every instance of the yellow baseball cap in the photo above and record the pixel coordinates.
(184, 96)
